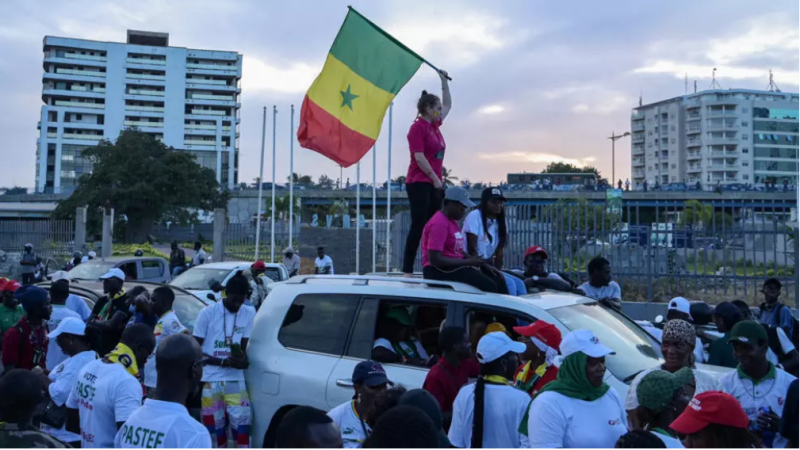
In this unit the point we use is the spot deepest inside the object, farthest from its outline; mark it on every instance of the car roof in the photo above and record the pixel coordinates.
(384, 285)
(96, 286)
(117, 259)
(232, 265)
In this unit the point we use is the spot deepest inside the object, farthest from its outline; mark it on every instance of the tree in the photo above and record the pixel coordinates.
(14, 190)
(301, 179)
(448, 179)
(144, 181)
(561, 167)
(400, 180)
(282, 206)
(325, 182)
(243, 186)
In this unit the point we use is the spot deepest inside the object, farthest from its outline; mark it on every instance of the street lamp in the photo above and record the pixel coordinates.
(614, 138)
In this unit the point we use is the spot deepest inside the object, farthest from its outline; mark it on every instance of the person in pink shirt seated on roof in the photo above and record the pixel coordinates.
(443, 255)
(424, 178)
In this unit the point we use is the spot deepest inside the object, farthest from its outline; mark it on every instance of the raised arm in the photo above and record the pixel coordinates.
(447, 101)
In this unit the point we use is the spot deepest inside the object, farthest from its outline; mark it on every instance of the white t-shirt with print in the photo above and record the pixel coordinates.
(168, 324)
(385, 343)
(473, 224)
(104, 394)
(214, 324)
(703, 381)
(63, 378)
(159, 424)
(504, 408)
(326, 261)
(345, 417)
(612, 290)
(556, 420)
(78, 305)
(55, 355)
(769, 393)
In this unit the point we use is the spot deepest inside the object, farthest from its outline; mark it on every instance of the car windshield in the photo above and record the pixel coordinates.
(187, 308)
(198, 278)
(91, 270)
(636, 350)
(273, 273)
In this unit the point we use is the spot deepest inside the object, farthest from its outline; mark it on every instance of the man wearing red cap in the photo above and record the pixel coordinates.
(542, 340)
(258, 283)
(536, 276)
(715, 419)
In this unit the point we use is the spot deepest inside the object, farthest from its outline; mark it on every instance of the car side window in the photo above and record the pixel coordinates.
(151, 269)
(319, 323)
(397, 331)
(130, 270)
(479, 318)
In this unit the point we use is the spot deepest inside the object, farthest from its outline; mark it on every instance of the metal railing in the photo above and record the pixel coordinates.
(51, 240)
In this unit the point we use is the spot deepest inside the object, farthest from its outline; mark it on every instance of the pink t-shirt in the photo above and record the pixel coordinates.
(425, 137)
(442, 234)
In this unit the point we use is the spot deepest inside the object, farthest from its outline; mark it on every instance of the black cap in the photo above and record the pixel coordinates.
(370, 373)
(774, 281)
(492, 193)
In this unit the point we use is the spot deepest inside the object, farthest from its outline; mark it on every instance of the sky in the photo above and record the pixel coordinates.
(533, 81)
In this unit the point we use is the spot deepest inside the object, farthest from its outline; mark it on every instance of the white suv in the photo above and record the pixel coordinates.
(312, 331)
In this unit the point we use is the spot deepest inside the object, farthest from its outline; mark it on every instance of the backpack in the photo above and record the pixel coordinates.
(774, 341)
(793, 336)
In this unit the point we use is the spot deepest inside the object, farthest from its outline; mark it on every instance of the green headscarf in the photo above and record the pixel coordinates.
(571, 381)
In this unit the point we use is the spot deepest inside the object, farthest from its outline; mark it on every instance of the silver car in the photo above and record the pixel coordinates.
(138, 268)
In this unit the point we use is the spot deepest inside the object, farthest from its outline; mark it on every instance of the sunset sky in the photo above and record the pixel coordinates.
(533, 81)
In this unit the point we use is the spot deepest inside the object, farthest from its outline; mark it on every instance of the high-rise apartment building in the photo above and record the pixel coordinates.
(187, 98)
(716, 137)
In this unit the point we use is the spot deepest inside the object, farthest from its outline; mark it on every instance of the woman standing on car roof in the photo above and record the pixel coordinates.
(677, 345)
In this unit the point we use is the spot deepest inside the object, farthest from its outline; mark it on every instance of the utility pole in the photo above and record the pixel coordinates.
(614, 139)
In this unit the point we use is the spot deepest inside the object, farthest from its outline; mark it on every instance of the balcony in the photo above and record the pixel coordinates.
(719, 167)
(638, 174)
(144, 108)
(80, 72)
(191, 126)
(211, 142)
(693, 116)
(718, 113)
(637, 126)
(82, 137)
(693, 155)
(136, 123)
(211, 66)
(208, 112)
(145, 76)
(153, 62)
(150, 92)
(79, 104)
(692, 130)
(204, 81)
(75, 87)
(694, 169)
(73, 55)
(638, 138)
(211, 97)
(722, 141)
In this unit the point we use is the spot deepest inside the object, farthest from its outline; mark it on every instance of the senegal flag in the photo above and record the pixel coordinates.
(343, 110)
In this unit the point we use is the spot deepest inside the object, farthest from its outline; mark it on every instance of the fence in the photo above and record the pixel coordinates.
(711, 251)
(51, 240)
(240, 239)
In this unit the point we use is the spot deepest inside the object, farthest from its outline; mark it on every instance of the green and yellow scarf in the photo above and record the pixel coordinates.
(107, 307)
(571, 382)
(123, 355)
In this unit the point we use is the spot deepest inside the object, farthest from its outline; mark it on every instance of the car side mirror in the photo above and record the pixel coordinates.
(211, 297)
(659, 318)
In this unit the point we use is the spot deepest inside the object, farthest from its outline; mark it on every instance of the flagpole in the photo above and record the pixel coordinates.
(389, 194)
(374, 208)
(358, 218)
(291, 175)
(272, 237)
(261, 183)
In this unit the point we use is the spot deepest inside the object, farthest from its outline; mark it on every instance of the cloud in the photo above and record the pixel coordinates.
(540, 158)
(491, 109)
(289, 78)
(605, 105)
(704, 72)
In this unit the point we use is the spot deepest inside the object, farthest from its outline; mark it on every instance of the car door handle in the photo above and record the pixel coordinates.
(344, 383)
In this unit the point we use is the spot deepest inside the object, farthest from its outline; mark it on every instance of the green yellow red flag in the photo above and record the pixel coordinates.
(343, 110)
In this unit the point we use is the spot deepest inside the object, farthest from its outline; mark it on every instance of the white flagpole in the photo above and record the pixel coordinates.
(272, 238)
(291, 175)
(389, 194)
(374, 208)
(261, 184)
(358, 217)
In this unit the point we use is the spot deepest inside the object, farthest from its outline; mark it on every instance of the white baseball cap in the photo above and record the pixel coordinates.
(112, 273)
(682, 305)
(70, 325)
(60, 275)
(586, 342)
(496, 344)
(92, 254)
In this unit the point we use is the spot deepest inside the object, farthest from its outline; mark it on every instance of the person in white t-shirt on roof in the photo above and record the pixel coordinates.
(323, 264)
(600, 286)
(369, 380)
(486, 230)
(71, 338)
(223, 330)
(73, 303)
(759, 386)
(678, 308)
(536, 275)
(59, 291)
(161, 301)
(578, 409)
(487, 413)
(107, 392)
(163, 421)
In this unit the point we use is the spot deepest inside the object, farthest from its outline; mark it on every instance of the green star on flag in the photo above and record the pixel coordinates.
(347, 98)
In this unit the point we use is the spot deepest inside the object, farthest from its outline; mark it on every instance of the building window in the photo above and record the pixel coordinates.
(745, 137)
(745, 164)
(744, 124)
(745, 150)
(78, 116)
(745, 177)
(673, 166)
(673, 140)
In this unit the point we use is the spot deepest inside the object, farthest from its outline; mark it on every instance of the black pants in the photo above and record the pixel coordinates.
(424, 200)
(467, 275)
(28, 278)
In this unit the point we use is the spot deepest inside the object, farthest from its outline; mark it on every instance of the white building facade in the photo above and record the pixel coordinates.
(716, 137)
(187, 98)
